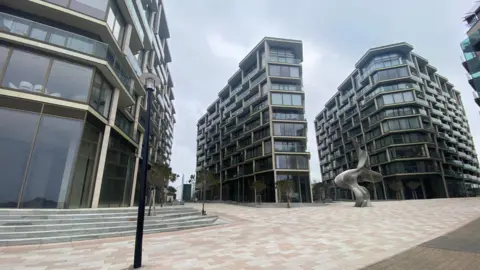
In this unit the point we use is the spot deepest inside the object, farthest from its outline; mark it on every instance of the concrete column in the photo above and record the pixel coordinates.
(113, 107)
(126, 38)
(135, 170)
(104, 148)
(156, 24)
(151, 59)
(101, 166)
(146, 56)
(151, 23)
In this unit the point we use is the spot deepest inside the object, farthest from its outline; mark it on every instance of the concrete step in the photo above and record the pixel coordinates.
(204, 220)
(40, 213)
(90, 215)
(97, 224)
(70, 238)
(90, 219)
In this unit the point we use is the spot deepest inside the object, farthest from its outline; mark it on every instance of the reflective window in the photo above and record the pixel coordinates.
(291, 162)
(399, 124)
(286, 87)
(289, 146)
(287, 99)
(26, 71)
(15, 27)
(276, 98)
(116, 22)
(390, 74)
(101, 95)
(17, 130)
(267, 147)
(3, 56)
(123, 123)
(94, 8)
(118, 176)
(287, 129)
(407, 152)
(395, 98)
(282, 55)
(51, 164)
(69, 81)
(284, 71)
(81, 188)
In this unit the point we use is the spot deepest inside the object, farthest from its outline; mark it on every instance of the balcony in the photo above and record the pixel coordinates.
(250, 75)
(437, 112)
(436, 121)
(61, 38)
(284, 60)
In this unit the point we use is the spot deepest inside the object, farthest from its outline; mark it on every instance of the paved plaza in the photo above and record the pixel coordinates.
(336, 236)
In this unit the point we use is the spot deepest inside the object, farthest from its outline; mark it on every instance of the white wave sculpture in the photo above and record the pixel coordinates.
(349, 178)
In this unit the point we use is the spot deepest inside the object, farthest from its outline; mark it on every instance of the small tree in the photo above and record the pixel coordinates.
(171, 191)
(285, 187)
(204, 180)
(258, 187)
(158, 176)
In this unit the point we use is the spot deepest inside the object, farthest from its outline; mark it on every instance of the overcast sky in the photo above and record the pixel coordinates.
(210, 37)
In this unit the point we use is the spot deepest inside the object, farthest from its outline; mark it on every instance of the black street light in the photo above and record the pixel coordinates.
(151, 81)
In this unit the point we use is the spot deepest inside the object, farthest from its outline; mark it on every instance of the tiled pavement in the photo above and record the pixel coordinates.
(337, 236)
(457, 250)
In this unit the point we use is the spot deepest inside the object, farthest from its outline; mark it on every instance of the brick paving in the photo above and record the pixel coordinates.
(459, 249)
(337, 236)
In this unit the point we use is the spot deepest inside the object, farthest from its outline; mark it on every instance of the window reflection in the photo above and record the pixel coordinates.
(3, 56)
(26, 71)
(116, 22)
(81, 189)
(17, 130)
(69, 81)
(287, 129)
(101, 95)
(284, 71)
(51, 164)
(287, 99)
(118, 176)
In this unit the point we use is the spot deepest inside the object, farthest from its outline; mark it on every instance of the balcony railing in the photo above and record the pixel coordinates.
(58, 37)
(285, 60)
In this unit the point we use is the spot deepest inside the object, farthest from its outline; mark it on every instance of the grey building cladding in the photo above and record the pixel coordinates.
(411, 120)
(255, 130)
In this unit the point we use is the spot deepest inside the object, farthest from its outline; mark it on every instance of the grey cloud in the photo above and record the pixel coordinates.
(338, 31)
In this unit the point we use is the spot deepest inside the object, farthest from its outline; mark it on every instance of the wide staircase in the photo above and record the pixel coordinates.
(42, 226)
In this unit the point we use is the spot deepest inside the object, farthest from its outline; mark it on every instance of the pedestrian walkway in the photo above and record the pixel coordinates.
(457, 250)
(337, 236)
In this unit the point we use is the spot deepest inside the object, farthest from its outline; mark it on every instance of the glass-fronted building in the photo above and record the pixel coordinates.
(409, 118)
(72, 107)
(471, 50)
(256, 130)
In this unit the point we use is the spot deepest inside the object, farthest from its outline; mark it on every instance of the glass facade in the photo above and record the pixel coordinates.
(41, 75)
(287, 129)
(40, 164)
(83, 182)
(118, 175)
(51, 163)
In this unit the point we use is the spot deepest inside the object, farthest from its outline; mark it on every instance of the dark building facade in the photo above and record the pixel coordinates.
(255, 130)
(411, 120)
